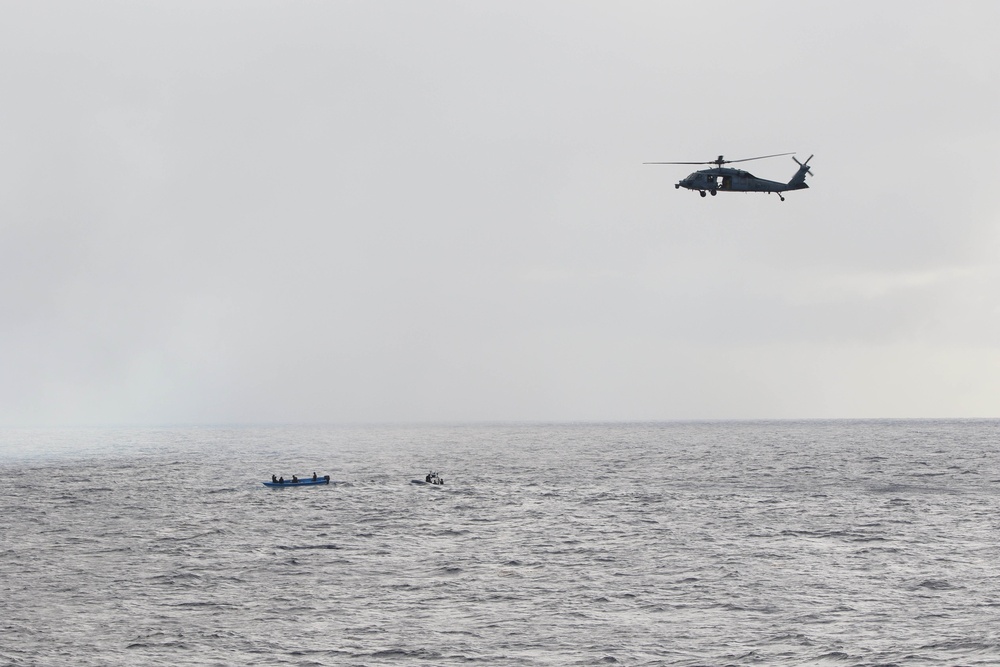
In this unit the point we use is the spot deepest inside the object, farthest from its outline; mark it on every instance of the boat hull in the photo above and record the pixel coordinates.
(301, 482)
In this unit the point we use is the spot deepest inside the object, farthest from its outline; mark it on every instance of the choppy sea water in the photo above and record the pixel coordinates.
(724, 543)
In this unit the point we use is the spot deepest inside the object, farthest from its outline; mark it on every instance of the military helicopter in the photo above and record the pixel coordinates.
(727, 179)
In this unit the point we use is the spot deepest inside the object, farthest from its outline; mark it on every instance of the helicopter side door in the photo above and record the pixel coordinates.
(703, 181)
(742, 182)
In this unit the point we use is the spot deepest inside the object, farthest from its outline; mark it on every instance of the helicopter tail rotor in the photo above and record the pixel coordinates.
(798, 181)
(804, 165)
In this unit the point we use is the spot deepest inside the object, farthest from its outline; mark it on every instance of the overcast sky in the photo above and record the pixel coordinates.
(259, 212)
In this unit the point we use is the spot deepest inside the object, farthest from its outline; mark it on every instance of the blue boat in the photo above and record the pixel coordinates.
(307, 481)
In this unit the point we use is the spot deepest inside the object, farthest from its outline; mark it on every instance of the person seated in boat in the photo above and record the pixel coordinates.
(274, 479)
(314, 475)
(295, 479)
(430, 478)
(327, 478)
(281, 480)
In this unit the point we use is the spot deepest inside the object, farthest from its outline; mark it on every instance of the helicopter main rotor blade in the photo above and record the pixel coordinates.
(719, 161)
(747, 159)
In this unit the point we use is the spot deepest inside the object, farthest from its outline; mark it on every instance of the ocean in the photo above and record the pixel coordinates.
(846, 543)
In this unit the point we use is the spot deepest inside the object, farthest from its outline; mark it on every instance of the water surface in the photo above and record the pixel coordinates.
(722, 543)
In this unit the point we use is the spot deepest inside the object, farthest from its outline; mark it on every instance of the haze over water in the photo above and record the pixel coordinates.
(713, 543)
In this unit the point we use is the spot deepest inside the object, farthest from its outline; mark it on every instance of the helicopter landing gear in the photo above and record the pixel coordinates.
(713, 192)
(781, 198)
(701, 192)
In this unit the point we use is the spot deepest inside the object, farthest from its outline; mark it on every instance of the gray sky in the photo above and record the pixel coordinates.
(392, 211)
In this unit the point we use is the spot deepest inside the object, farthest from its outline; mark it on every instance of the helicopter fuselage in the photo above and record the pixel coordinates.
(727, 179)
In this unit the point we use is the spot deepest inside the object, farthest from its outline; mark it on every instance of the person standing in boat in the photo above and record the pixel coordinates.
(274, 479)
(314, 475)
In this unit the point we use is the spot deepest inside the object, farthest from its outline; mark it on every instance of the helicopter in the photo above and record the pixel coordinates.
(728, 179)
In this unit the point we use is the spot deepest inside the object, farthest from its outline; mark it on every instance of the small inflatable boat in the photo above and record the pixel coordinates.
(432, 478)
